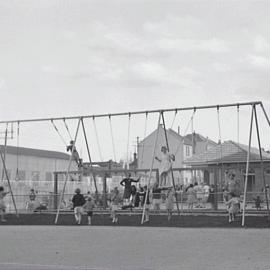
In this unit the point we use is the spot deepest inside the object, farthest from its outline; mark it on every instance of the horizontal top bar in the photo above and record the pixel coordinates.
(195, 108)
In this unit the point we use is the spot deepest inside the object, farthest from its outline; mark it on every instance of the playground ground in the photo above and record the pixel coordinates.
(99, 247)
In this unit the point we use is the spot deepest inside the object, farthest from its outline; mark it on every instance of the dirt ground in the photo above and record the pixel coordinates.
(38, 247)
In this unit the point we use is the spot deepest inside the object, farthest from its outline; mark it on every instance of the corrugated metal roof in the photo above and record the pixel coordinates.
(227, 152)
(22, 151)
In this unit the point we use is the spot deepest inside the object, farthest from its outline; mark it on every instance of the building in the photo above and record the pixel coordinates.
(200, 144)
(231, 158)
(182, 147)
(35, 165)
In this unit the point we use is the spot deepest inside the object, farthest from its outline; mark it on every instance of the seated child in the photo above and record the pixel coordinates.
(258, 202)
(233, 206)
(88, 207)
(2, 203)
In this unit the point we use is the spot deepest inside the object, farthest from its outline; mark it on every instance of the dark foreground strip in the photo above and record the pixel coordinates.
(44, 267)
(193, 221)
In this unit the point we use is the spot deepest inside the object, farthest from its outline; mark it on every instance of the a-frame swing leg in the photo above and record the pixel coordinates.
(151, 169)
(261, 160)
(247, 169)
(9, 185)
(67, 173)
(167, 144)
(89, 155)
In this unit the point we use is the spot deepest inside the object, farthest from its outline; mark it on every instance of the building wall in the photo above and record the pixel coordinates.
(255, 178)
(145, 150)
(202, 146)
(34, 168)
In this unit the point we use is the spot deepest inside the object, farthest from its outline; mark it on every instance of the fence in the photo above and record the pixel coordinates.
(47, 201)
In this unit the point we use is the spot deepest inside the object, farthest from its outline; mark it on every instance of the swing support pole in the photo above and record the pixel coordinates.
(5, 150)
(261, 160)
(265, 114)
(247, 168)
(9, 185)
(167, 144)
(151, 169)
(67, 172)
(88, 152)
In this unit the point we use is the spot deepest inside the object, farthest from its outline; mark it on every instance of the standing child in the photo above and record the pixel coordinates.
(258, 202)
(89, 207)
(78, 201)
(191, 196)
(165, 160)
(115, 203)
(169, 203)
(2, 203)
(233, 206)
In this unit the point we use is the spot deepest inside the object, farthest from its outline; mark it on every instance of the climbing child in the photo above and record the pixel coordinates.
(2, 203)
(78, 201)
(89, 207)
(233, 206)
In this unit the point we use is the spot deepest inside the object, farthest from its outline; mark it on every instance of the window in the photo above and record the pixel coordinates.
(35, 176)
(251, 183)
(187, 151)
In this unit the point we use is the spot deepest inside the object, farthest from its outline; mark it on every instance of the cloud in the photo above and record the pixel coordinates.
(156, 73)
(213, 45)
(258, 61)
(261, 44)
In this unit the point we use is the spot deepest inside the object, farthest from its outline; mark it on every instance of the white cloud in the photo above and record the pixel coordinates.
(221, 67)
(159, 74)
(259, 61)
(212, 45)
(261, 44)
(172, 26)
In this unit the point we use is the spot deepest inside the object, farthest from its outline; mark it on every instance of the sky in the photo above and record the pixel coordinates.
(65, 58)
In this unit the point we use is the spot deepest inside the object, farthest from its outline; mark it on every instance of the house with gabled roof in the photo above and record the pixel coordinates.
(200, 143)
(231, 157)
(180, 146)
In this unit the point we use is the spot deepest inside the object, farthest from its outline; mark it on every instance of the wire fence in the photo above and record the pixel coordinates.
(48, 202)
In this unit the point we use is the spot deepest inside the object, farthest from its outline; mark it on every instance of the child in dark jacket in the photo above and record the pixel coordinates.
(258, 202)
(78, 201)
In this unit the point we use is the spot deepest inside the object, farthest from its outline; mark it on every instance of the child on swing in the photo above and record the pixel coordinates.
(78, 201)
(233, 206)
(89, 207)
(165, 160)
(2, 203)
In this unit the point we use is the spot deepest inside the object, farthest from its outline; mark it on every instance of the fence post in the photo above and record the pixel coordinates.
(55, 191)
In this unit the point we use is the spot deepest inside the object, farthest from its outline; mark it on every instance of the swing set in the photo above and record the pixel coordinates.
(161, 120)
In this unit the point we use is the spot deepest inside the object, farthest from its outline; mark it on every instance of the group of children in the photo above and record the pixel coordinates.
(2, 203)
(81, 204)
